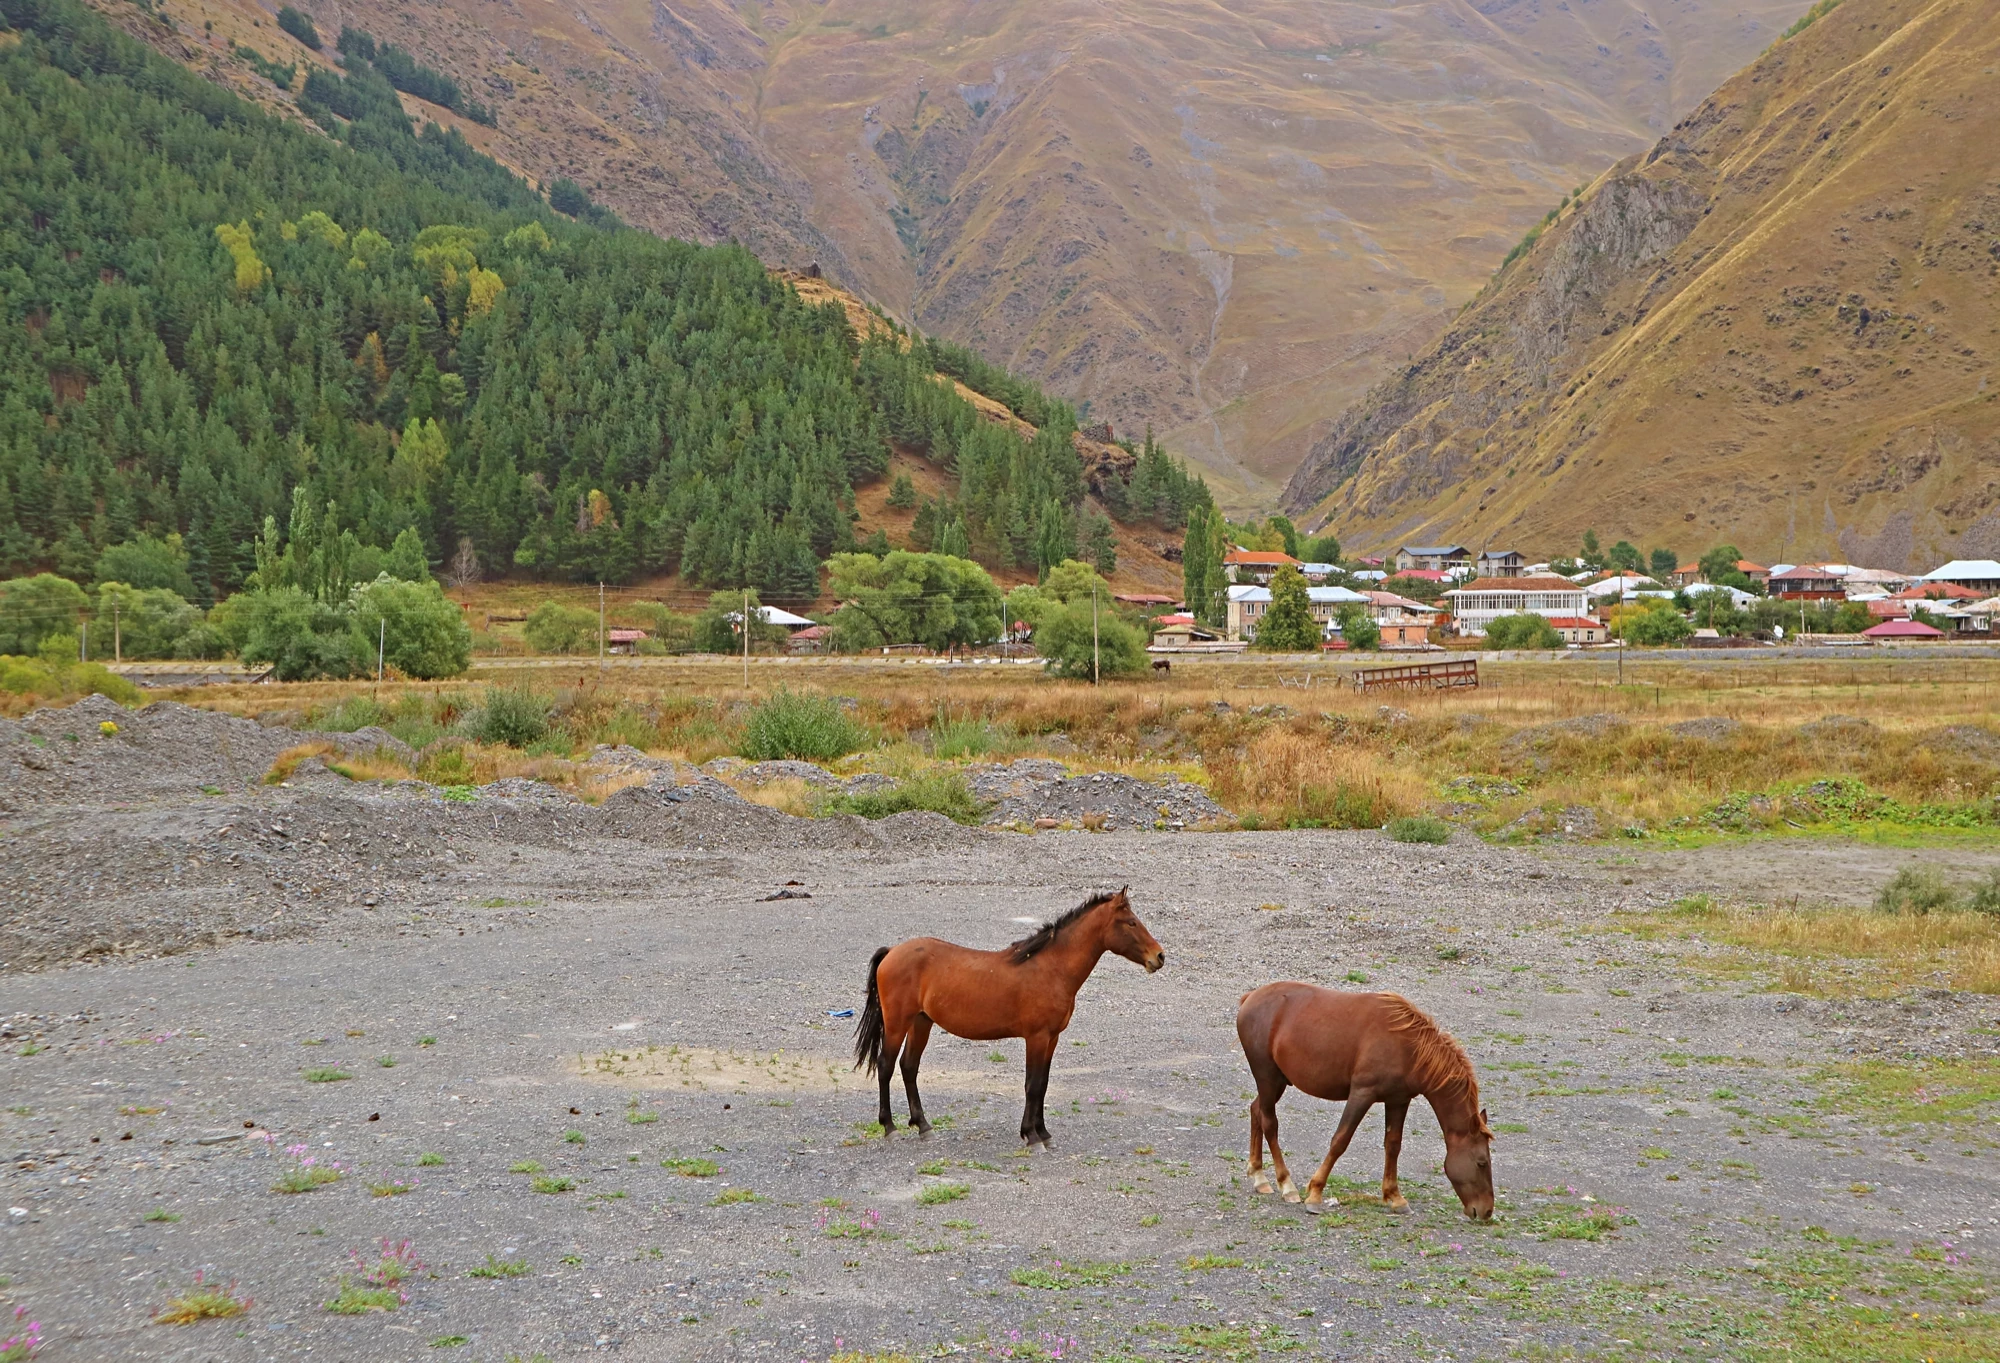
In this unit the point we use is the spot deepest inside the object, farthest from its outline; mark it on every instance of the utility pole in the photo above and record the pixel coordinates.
(381, 640)
(117, 636)
(83, 641)
(600, 624)
(1093, 634)
(746, 639)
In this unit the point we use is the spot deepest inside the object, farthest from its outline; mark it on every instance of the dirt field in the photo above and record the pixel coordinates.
(1693, 1162)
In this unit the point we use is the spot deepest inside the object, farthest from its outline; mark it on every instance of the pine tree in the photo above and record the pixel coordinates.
(1288, 626)
(1103, 545)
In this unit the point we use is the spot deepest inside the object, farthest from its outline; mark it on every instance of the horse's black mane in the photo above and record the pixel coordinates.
(1021, 951)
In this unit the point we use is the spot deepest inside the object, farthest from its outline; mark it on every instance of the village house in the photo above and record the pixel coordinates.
(1404, 624)
(1580, 629)
(1182, 631)
(1502, 563)
(1254, 565)
(1485, 599)
(1981, 575)
(1810, 582)
(623, 641)
(1436, 558)
(1249, 602)
(1689, 574)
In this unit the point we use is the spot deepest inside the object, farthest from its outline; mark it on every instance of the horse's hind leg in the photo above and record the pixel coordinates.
(1393, 1112)
(893, 1030)
(1264, 1128)
(1356, 1108)
(913, 1055)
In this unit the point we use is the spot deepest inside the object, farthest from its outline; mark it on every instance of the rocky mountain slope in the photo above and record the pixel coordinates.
(1777, 327)
(1225, 223)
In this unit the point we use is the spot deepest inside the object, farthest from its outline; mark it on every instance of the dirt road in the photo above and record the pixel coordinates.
(1691, 1164)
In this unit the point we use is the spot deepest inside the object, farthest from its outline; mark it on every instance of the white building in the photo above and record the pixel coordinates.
(1248, 602)
(1486, 599)
(1981, 575)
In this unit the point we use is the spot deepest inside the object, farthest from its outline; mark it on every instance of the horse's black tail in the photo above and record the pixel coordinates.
(868, 1034)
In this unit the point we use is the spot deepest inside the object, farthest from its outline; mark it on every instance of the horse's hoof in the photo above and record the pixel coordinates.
(1289, 1195)
(1263, 1186)
(1400, 1206)
(1311, 1207)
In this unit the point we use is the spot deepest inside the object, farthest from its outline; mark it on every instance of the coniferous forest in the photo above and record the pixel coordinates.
(204, 308)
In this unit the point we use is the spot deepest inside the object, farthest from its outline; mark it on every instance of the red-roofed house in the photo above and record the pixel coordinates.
(1902, 629)
(814, 639)
(1254, 565)
(623, 641)
(1579, 629)
(1484, 599)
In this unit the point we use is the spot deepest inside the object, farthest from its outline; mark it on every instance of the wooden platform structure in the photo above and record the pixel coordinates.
(1462, 672)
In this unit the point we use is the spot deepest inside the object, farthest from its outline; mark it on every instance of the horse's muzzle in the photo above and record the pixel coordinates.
(1155, 962)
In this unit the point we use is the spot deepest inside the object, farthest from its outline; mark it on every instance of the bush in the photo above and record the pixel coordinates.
(419, 630)
(1358, 628)
(800, 725)
(516, 716)
(553, 628)
(61, 682)
(1419, 829)
(942, 792)
(148, 561)
(1917, 890)
(33, 609)
(300, 638)
(1650, 621)
(299, 26)
(1525, 631)
(1064, 639)
(1985, 896)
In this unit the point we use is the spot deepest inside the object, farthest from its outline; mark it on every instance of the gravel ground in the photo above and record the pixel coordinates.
(603, 990)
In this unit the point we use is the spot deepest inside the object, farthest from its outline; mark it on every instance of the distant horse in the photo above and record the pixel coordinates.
(1366, 1049)
(1027, 990)
(1163, 665)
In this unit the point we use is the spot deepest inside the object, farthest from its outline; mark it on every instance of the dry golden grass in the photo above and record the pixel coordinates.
(288, 762)
(1845, 952)
(787, 794)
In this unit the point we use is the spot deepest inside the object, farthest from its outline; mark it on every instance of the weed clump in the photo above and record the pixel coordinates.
(498, 1269)
(1419, 829)
(202, 1302)
(934, 1194)
(941, 792)
(517, 716)
(800, 725)
(1917, 890)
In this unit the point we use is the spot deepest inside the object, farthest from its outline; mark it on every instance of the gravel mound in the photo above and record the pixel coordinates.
(1034, 789)
(62, 757)
(777, 769)
(1530, 745)
(1973, 741)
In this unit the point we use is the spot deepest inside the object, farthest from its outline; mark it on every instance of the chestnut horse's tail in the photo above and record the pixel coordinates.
(868, 1034)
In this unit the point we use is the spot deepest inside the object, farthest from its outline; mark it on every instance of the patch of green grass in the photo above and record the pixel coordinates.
(1419, 829)
(1219, 1342)
(551, 1184)
(386, 1062)
(162, 1215)
(1382, 1264)
(525, 1167)
(934, 1167)
(450, 1342)
(356, 1300)
(1576, 1222)
(1207, 1262)
(427, 1041)
(933, 1194)
(943, 792)
(391, 1188)
(638, 1117)
(1358, 977)
(574, 1137)
(203, 1302)
(306, 1178)
(1517, 1128)
(498, 1269)
(728, 1196)
(693, 1167)
(1902, 1094)
(325, 1075)
(430, 1158)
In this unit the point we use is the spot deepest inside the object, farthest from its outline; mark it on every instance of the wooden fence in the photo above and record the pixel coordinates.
(1460, 673)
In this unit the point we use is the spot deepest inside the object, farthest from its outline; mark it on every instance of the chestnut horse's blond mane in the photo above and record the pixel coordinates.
(1441, 1065)
(1022, 951)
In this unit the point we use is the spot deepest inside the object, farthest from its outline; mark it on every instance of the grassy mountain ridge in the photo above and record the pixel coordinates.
(1224, 223)
(1777, 328)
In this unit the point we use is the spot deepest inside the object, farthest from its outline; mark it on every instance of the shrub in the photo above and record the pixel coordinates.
(800, 725)
(1985, 896)
(941, 792)
(517, 716)
(1650, 621)
(300, 637)
(420, 631)
(1359, 629)
(299, 26)
(553, 628)
(1917, 890)
(33, 609)
(1525, 631)
(1419, 829)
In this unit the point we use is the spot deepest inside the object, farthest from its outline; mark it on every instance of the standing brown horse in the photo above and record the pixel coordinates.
(1366, 1049)
(1027, 990)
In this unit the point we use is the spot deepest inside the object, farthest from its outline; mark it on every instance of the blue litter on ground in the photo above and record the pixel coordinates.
(840, 1013)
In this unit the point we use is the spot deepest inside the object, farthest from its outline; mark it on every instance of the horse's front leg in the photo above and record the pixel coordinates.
(1393, 1112)
(1357, 1106)
(1041, 1051)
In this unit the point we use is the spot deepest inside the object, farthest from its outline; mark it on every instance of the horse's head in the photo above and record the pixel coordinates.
(1468, 1164)
(1126, 936)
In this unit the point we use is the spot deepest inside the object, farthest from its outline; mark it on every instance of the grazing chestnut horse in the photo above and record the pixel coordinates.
(1027, 990)
(1366, 1049)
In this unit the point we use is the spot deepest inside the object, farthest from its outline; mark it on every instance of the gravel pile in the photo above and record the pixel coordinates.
(165, 750)
(1036, 789)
